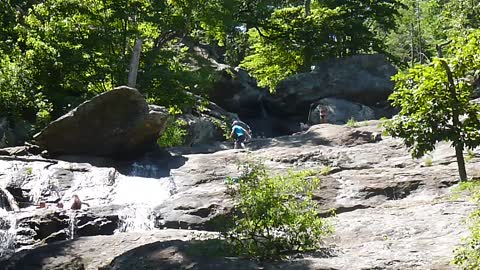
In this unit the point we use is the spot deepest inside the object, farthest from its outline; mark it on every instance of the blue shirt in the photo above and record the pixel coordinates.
(238, 130)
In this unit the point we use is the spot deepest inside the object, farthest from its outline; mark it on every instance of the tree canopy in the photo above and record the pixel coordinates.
(435, 101)
(57, 53)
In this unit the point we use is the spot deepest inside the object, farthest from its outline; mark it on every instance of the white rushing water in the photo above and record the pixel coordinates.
(139, 195)
(7, 233)
(34, 174)
(136, 191)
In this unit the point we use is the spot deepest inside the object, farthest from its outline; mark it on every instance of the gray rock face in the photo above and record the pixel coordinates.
(364, 79)
(3, 132)
(206, 123)
(339, 111)
(360, 78)
(115, 123)
(200, 130)
(392, 212)
(99, 251)
(237, 92)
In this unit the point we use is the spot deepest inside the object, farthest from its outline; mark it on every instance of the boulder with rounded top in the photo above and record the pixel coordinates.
(117, 123)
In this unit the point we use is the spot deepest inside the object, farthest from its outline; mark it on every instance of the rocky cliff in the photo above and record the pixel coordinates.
(161, 211)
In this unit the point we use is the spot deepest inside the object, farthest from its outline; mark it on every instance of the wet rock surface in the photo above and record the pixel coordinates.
(392, 212)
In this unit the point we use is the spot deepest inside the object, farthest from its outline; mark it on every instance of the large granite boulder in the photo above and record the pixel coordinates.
(360, 78)
(237, 92)
(339, 111)
(202, 129)
(206, 122)
(117, 123)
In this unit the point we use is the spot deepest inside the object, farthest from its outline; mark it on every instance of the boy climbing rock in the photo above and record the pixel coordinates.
(240, 134)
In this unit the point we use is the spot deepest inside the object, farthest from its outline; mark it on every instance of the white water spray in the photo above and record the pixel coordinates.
(72, 224)
(139, 195)
(8, 224)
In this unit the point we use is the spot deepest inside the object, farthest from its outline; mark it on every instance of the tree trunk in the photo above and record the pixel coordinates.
(412, 45)
(308, 52)
(419, 27)
(307, 60)
(460, 161)
(132, 74)
(307, 7)
(457, 125)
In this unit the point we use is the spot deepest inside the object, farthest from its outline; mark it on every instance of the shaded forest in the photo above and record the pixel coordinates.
(58, 53)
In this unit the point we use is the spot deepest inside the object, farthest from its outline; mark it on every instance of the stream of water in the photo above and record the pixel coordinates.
(139, 193)
(7, 233)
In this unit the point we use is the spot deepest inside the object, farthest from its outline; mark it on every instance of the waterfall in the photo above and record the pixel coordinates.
(72, 224)
(7, 201)
(8, 224)
(138, 193)
(136, 189)
(40, 180)
(136, 218)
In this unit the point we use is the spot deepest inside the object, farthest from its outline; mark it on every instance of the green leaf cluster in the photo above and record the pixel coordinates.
(174, 134)
(275, 215)
(280, 54)
(421, 24)
(292, 40)
(467, 256)
(18, 96)
(66, 51)
(435, 100)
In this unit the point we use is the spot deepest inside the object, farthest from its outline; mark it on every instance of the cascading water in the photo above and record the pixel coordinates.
(8, 224)
(138, 193)
(135, 191)
(33, 176)
(72, 224)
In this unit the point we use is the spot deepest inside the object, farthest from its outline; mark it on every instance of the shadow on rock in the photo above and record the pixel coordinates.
(296, 140)
(199, 255)
(155, 164)
(151, 167)
(57, 256)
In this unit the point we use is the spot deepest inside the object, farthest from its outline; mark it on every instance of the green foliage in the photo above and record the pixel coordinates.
(274, 59)
(470, 155)
(352, 123)
(223, 125)
(57, 53)
(326, 170)
(19, 97)
(428, 161)
(423, 24)
(361, 25)
(174, 134)
(467, 256)
(70, 50)
(429, 104)
(28, 171)
(462, 15)
(288, 42)
(291, 41)
(275, 215)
